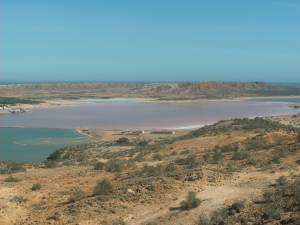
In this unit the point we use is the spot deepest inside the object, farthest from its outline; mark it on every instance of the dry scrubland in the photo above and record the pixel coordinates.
(233, 172)
(153, 90)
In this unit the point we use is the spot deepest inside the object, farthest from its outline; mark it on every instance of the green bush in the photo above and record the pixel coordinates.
(103, 187)
(190, 202)
(36, 187)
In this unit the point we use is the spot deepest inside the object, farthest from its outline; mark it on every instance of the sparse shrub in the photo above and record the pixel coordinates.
(272, 213)
(103, 187)
(217, 218)
(276, 159)
(118, 222)
(114, 165)
(297, 192)
(185, 152)
(99, 166)
(282, 181)
(217, 156)
(36, 187)
(39, 206)
(298, 137)
(139, 157)
(131, 163)
(11, 179)
(56, 155)
(142, 143)
(269, 197)
(205, 220)
(151, 223)
(123, 141)
(190, 161)
(157, 157)
(11, 167)
(18, 199)
(253, 162)
(173, 153)
(230, 148)
(77, 195)
(151, 171)
(15, 167)
(190, 202)
(236, 207)
(51, 164)
(232, 168)
(171, 167)
(206, 157)
(239, 155)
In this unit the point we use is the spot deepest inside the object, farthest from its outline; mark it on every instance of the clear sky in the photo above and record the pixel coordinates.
(149, 40)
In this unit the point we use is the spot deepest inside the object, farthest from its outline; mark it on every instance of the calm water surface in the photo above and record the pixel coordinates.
(27, 144)
(136, 114)
(40, 137)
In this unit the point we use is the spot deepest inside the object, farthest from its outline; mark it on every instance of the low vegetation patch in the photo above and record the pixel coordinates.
(123, 141)
(190, 202)
(11, 179)
(11, 167)
(77, 195)
(103, 187)
(36, 187)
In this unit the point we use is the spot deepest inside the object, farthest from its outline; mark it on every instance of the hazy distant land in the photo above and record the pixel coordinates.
(229, 172)
(195, 90)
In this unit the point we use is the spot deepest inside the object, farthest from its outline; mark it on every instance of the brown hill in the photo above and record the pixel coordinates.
(157, 90)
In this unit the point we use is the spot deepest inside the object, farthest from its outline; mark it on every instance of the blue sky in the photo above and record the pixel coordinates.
(157, 40)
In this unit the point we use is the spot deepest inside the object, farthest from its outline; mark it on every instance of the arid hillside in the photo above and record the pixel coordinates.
(243, 171)
(155, 90)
